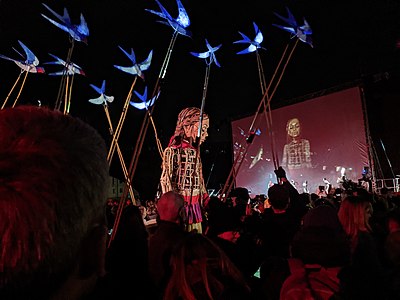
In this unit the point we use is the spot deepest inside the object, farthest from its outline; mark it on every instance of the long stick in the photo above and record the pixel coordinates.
(64, 76)
(158, 143)
(143, 130)
(276, 161)
(66, 94)
(121, 159)
(13, 87)
(121, 121)
(387, 158)
(199, 131)
(267, 110)
(269, 98)
(145, 123)
(20, 90)
(233, 172)
(156, 91)
(70, 95)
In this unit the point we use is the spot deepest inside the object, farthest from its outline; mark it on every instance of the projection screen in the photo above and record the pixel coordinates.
(317, 141)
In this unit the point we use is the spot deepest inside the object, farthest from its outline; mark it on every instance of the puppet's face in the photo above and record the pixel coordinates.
(191, 131)
(204, 128)
(293, 128)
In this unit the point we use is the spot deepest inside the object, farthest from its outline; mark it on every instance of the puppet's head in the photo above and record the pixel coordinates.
(187, 125)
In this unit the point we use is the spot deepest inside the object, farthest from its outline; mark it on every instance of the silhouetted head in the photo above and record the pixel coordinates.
(53, 189)
(322, 239)
(278, 196)
(169, 206)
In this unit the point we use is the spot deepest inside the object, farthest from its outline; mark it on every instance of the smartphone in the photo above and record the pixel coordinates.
(321, 188)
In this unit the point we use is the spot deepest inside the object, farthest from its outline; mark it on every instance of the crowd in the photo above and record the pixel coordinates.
(54, 237)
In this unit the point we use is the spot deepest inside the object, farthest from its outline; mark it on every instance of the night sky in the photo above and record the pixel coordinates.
(354, 42)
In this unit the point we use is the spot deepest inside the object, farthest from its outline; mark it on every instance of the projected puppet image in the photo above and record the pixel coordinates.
(318, 142)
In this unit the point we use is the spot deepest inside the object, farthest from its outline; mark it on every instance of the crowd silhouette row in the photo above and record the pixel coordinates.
(55, 232)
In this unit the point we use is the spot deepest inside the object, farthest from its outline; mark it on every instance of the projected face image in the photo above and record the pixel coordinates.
(293, 128)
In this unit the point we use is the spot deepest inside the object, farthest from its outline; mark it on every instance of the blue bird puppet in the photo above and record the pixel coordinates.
(69, 68)
(137, 68)
(79, 32)
(303, 32)
(253, 44)
(103, 98)
(145, 104)
(179, 24)
(29, 63)
(209, 55)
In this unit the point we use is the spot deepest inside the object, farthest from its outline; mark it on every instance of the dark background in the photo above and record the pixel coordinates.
(355, 42)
